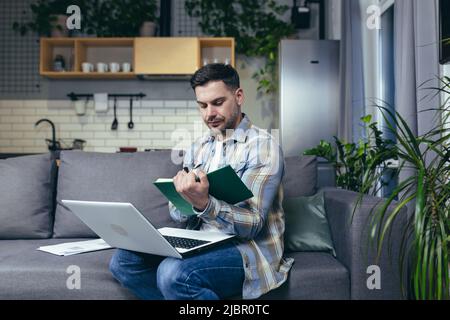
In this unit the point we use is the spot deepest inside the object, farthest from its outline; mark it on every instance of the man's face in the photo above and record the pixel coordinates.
(219, 106)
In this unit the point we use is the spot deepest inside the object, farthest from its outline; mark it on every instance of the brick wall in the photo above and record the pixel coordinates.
(157, 124)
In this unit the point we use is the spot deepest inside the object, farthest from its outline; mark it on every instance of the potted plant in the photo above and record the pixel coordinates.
(146, 14)
(103, 18)
(147, 29)
(48, 17)
(256, 26)
(359, 165)
(426, 236)
(120, 18)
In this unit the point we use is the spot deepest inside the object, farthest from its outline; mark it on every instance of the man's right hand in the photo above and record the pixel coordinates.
(196, 193)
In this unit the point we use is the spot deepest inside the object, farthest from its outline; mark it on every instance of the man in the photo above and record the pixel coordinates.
(251, 265)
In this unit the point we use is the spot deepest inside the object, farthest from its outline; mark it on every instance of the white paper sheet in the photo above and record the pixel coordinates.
(70, 248)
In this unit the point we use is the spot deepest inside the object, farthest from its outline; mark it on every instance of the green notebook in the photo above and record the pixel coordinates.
(224, 184)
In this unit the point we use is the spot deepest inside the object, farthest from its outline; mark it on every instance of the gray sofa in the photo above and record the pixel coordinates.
(31, 215)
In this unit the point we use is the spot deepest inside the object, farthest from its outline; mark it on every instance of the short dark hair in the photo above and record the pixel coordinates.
(216, 72)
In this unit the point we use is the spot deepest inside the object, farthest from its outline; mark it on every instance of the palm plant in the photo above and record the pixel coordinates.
(427, 190)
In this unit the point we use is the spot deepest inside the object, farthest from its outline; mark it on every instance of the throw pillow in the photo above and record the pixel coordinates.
(300, 176)
(26, 197)
(307, 226)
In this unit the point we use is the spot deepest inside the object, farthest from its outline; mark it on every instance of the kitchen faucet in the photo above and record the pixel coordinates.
(53, 146)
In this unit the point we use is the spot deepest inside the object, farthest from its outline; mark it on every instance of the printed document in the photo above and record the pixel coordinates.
(70, 248)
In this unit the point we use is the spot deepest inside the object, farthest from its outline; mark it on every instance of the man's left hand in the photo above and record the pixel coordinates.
(196, 193)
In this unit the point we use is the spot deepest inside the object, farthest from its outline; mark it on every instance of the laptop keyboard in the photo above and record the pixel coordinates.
(184, 243)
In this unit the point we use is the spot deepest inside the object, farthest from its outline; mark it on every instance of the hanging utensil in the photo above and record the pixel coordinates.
(115, 122)
(131, 124)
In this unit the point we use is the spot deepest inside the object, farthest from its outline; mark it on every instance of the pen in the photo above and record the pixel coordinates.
(197, 179)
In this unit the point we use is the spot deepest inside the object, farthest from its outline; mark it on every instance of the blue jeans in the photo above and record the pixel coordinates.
(210, 275)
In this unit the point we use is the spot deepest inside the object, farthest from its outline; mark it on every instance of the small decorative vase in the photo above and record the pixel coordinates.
(148, 29)
(59, 63)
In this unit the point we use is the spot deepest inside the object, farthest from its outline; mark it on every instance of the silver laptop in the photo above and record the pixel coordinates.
(121, 225)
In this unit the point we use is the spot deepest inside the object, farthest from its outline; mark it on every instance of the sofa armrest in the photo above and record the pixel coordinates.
(350, 233)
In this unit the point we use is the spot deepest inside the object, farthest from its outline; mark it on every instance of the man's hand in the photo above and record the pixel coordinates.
(196, 193)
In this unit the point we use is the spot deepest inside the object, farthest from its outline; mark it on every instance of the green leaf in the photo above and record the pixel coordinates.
(257, 26)
(367, 118)
(430, 187)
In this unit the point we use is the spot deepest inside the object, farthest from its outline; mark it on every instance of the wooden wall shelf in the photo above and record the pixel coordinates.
(158, 56)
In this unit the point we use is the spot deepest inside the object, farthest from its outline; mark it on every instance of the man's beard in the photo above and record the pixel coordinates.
(229, 124)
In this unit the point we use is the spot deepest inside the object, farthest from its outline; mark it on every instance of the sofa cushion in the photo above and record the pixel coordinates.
(26, 197)
(314, 276)
(116, 177)
(307, 226)
(26, 273)
(300, 176)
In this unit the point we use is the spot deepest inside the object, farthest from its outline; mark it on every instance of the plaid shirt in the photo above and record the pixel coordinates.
(259, 221)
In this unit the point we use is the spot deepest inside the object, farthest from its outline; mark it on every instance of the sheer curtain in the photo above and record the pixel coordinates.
(416, 61)
(351, 75)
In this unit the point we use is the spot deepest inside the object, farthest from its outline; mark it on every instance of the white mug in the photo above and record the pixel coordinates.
(114, 67)
(126, 67)
(102, 67)
(87, 67)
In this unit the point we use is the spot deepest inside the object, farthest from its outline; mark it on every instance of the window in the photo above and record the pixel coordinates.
(386, 84)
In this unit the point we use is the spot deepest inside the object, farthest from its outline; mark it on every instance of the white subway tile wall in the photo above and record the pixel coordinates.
(158, 124)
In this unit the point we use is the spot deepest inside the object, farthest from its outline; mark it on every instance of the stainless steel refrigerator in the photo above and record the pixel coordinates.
(309, 93)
